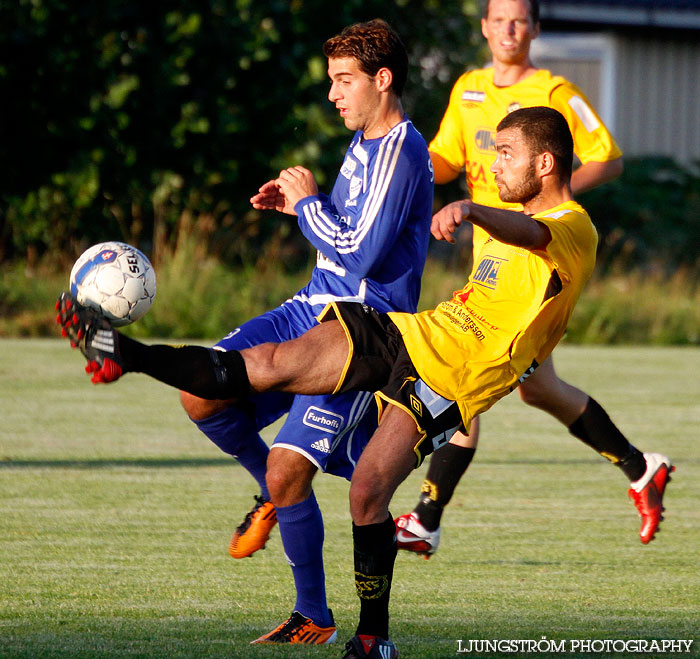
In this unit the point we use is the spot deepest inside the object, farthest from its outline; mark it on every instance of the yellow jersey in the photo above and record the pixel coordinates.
(466, 135)
(475, 348)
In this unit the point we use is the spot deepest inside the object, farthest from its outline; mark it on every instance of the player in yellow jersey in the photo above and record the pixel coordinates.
(464, 142)
(432, 371)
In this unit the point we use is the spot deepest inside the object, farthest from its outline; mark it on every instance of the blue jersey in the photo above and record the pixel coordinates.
(372, 232)
(372, 239)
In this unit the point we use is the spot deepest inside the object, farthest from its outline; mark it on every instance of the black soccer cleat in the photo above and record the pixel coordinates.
(70, 319)
(370, 646)
(94, 335)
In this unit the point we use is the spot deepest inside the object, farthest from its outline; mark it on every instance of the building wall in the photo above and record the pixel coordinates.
(658, 104)
(646, 89)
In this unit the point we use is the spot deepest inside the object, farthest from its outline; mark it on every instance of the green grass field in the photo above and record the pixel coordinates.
(115, 517)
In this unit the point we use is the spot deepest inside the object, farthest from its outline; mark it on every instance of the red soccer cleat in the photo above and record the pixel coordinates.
(413, 536)
(648, 493)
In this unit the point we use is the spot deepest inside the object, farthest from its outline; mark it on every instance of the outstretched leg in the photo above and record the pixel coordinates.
(310, 364)
(583, 416)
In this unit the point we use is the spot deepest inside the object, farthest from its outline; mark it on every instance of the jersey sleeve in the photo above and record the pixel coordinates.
(449, 141)
(362, 244)
(573, 244)
(592, 140)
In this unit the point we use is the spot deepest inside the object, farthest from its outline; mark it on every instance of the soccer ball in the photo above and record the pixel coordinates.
(115, 279)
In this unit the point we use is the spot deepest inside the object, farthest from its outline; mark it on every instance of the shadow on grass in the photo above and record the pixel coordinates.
(185, 463)
(110, 463)
(510, 461)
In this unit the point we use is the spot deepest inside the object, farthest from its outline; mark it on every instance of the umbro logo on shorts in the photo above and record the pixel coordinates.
(322, 445)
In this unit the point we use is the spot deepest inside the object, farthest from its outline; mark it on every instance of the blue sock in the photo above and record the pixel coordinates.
(301, 529)
(234, 432)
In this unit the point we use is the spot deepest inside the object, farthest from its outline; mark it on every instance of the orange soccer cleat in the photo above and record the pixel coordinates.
(254, 532)
(300, 629)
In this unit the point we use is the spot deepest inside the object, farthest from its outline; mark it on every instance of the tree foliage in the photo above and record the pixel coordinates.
(153, 122)
(138, 121)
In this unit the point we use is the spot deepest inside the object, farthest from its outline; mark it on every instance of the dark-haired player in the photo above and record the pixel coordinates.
(371, 233)
(479, 99)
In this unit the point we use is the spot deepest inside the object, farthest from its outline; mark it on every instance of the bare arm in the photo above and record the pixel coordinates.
(593, 174)
(508, 227)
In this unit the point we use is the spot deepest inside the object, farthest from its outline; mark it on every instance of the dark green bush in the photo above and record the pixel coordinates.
(649, 218)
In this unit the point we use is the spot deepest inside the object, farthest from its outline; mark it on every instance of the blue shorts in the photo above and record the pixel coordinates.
(330, 431)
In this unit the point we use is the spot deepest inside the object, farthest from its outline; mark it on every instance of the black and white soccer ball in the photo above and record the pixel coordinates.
(115, 279)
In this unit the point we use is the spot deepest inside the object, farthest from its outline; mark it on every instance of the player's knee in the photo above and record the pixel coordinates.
(360, 502)
(199, 409)
(533, 395)
(264, 366)
(284, 488)
(289, 476)
(367, 505)
(467, 441)
(277, 481)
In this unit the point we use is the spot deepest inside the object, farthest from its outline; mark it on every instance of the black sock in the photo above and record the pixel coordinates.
(595, 428)
(203, 372)
(447, 465)
(375, 553)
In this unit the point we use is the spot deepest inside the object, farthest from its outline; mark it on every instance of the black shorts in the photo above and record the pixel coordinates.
(379, 362)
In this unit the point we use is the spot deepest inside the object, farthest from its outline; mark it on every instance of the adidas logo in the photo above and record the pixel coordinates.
(103, 340)
(322, 445)
(386, 651)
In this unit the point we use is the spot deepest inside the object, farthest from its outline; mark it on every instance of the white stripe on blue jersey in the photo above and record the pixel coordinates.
(372, 231)
(328, 227)
(357, 412)
(321, 299)
(388, 155)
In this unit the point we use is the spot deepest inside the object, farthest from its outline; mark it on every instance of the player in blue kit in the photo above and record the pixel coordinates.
(372, 235)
